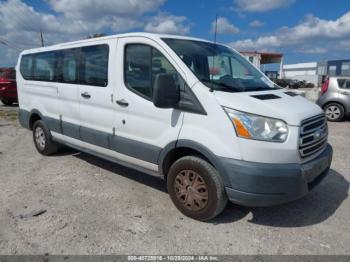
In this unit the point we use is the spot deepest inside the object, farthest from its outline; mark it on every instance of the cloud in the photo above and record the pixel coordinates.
(70, 20)
(260, 5)
(224, 26)
(312, 50)
(92, 9)
(264, 43)
(311, 31)
(168, 24)
(256, 23)
(344, 45)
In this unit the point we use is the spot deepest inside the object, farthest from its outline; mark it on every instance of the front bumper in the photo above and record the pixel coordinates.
(261, 184)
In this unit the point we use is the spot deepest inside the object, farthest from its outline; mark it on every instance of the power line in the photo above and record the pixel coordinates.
(8, 44)
(20, 46)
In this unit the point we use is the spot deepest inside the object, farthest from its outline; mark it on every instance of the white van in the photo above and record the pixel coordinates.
(193, 111)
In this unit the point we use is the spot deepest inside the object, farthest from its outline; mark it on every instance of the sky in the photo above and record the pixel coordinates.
(303, 30)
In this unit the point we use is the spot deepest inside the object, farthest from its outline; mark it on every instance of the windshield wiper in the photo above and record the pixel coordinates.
(259, 88)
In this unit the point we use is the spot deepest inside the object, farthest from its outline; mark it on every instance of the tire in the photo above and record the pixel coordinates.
(6, 102)
(334, 112)
(201, 198)
(43, 140)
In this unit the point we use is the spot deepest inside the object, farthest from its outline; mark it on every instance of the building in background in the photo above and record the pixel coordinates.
(260, 59)
(311, 72)
(338, 67)
(302, 72)
(316, 72)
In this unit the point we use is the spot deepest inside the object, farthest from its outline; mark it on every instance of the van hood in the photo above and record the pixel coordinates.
(281, 104)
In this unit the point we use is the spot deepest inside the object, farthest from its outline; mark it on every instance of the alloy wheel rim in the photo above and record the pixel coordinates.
(40, 137)
(333, 112)
(191, 190)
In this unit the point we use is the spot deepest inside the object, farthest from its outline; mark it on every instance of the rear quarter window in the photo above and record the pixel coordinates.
(26, 66)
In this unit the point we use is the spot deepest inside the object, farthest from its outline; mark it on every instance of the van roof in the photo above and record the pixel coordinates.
(135, 34)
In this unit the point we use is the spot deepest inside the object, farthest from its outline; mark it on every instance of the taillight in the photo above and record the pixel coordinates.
(325, 86)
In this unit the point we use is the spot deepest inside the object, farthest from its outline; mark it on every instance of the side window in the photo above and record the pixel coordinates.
(45, 66)
(142, 65)
(137, 69)
(95, 65)
(26, 66)
(341, 82)
(69, 66)
(161, 65)
(347, 84)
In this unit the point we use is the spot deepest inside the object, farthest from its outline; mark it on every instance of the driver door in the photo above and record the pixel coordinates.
(144, 129)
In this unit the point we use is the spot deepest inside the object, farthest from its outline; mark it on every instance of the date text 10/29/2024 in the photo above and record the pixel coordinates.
(173, 258)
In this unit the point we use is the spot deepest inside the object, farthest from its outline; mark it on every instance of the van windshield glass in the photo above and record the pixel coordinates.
(3, 74)
(218, 67)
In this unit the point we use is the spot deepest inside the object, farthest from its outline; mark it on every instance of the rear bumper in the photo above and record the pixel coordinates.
(260, 184)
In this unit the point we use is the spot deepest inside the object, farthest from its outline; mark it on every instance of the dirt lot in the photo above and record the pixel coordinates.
(96, 207)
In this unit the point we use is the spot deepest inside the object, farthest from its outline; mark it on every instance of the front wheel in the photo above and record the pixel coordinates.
(196, 188)
(43, 140)
(334, 112)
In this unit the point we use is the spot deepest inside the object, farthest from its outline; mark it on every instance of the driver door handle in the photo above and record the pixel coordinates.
(122, 102)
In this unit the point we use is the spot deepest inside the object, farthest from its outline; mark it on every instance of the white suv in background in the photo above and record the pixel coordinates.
(193, 111)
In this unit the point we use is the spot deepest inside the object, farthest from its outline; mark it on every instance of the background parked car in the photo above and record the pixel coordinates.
(309, 85)
(8, 86)
(335, 98)
(288, 83)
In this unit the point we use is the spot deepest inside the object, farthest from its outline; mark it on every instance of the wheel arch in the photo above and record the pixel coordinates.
(34, 116)
(177, 149)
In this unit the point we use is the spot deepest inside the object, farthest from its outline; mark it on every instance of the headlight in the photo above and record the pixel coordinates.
(258, 127)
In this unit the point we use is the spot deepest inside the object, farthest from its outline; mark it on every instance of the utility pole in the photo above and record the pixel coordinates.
(41, 38)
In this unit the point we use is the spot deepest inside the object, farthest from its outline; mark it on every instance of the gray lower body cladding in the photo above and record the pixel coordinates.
(142, 151)
(259, 184)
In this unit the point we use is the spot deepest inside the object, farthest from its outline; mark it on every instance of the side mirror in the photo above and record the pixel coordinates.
(165, 92)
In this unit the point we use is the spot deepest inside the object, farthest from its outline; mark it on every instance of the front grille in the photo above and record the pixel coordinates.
(313, 136)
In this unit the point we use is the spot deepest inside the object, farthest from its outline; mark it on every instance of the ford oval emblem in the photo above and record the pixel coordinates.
(318, 133)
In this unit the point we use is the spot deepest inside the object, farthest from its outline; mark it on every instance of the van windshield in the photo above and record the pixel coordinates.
(3, 74)
(218, 67)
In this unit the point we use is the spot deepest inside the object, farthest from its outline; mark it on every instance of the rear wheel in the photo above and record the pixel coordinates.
(196, 189)
(334, 112)
(43, 140)
(6, 102)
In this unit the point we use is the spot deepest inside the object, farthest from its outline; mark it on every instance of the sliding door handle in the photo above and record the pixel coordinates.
(122, 102)
(86, 95)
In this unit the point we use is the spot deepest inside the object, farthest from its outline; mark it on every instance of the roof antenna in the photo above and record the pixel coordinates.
(212, 68)
(216, 27)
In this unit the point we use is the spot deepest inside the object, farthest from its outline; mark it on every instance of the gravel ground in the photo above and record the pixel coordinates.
(96, 207)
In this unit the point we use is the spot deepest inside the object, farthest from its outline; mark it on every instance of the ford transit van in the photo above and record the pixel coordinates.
(192, 111)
